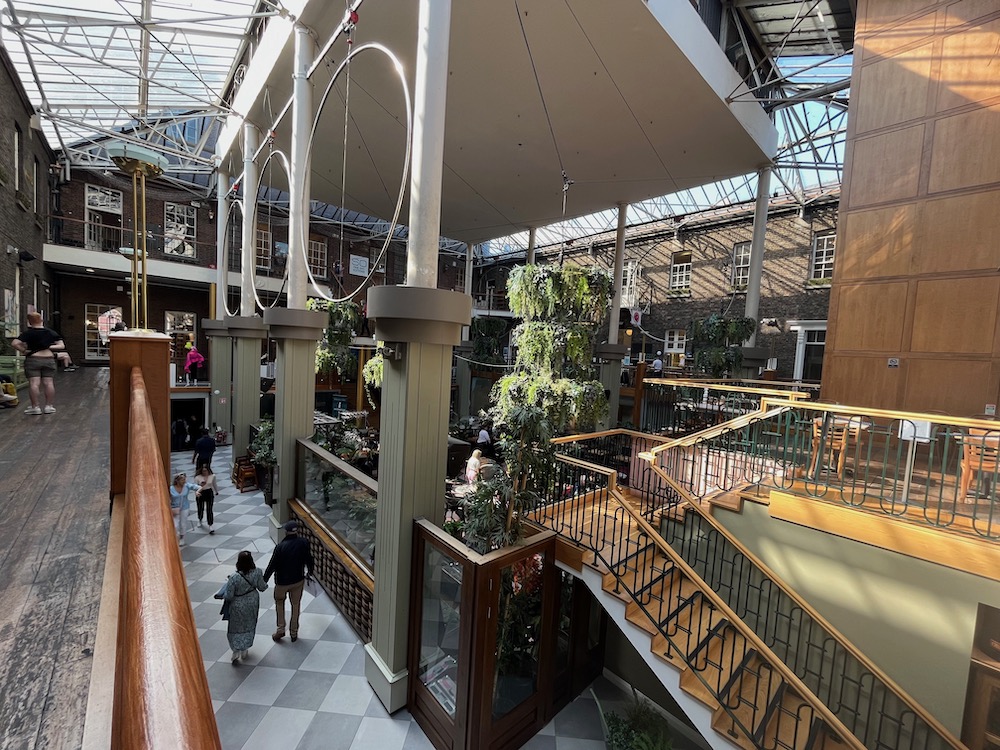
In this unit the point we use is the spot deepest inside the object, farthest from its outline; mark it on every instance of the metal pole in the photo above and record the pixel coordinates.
(757, 250)
(248, 265)
(145, 308)
(530, 257)
(298, 198)
(468, 267)
(430, 95)
(135, 250)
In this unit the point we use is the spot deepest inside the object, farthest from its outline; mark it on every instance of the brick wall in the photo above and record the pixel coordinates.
(23, 204)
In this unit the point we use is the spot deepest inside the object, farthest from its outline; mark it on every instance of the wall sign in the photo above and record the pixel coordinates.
(893, 361)
(358, 265)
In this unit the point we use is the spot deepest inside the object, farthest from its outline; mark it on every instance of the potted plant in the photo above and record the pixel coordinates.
(265, 459)
(641, 728)
(718, 343)
(334, 350)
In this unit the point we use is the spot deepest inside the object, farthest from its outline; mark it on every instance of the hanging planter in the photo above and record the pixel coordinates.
(334, 350)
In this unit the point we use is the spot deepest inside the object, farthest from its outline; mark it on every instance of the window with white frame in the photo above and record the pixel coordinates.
(103, 216)
(741, 265)
(631, 276)
(810, 346)
(179, 221)
(675, 340)
(317, 258)
(824, 249)
(99, 321)
(459, 285)
(680, 272)
(263, 246)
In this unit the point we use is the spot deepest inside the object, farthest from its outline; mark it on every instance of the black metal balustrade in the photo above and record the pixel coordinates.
(761, 699)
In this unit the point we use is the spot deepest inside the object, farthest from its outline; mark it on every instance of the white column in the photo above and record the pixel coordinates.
(221, 262)
(757, 249)
(298, 192)
(248, 264)
(433, 39)
(469, 247)
(616, 301)
(530, 258)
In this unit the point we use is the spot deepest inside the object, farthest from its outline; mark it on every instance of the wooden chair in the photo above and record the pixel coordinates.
(980, 452)
(840, 436)
(244, 474)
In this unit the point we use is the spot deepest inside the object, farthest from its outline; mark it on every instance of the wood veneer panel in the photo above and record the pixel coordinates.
(955, 315)
(966, 150)
(886, 167)
(861, 381)
(877, 242)
(968, 391)
(924, 543)
(885, 25)
(966, 73)
(898, 89)
(871, 317)
(958, 233)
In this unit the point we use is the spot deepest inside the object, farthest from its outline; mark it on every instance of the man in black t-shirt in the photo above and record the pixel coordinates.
(39, 345)
(204, 449)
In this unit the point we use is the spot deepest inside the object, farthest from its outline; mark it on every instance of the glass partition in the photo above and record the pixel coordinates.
(440, 627)
(519, 633)
(342, 497)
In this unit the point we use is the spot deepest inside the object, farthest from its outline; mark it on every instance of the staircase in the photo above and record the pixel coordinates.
(769, 671)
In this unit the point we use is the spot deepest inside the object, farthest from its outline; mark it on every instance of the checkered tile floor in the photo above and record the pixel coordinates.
(312, 693)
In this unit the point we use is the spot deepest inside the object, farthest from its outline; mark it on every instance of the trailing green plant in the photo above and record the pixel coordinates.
(642, 728)
(372, 374)
(487, 335)
(559, 294)
(542, 346)
(262, 445)
(718, 343)
(334, 350)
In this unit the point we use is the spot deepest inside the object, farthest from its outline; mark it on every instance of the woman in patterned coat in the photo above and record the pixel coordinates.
(244, 604)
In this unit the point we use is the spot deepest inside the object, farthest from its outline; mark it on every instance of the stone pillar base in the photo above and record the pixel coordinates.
(611, 377)
(391, 688)
(247, 332)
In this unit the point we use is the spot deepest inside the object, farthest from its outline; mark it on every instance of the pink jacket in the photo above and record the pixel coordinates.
(194, 359)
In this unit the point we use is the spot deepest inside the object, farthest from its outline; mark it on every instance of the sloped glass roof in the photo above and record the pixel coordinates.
(100, 68)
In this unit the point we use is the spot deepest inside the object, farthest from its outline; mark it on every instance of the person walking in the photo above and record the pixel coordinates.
(205, 497)
(179, 434)
(180, 503)
(241, 593)
(204, 449)
(290, 563)
(39, 345)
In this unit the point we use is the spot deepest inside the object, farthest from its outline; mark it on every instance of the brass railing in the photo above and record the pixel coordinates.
(763, 700)
(162, 698)
(934, 470)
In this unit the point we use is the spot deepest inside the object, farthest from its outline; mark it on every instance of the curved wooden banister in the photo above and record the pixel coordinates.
(162, 698)
(693, 506)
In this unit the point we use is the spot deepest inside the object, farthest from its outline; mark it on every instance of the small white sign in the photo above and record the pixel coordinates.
(358, 265)
(636, 316)
(893, 361)
(991, 410)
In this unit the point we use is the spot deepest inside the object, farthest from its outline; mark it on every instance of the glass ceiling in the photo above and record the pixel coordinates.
(156, 71)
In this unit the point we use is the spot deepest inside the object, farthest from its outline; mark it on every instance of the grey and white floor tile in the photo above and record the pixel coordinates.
(310, 694)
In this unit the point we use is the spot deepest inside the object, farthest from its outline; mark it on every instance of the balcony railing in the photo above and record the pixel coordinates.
(932, 470)
(92, 235)
(682, 407)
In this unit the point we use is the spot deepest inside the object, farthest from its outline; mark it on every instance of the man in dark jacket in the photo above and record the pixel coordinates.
(204, 449)
(290, 563)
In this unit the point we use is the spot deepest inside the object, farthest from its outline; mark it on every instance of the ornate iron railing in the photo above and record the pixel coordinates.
(691, 626)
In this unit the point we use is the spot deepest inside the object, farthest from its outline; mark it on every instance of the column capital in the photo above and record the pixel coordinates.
(211, 327)
(415, 314)
(611, 352)
(245, 327)
(291, 323)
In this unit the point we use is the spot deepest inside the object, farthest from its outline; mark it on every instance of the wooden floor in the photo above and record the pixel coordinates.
(54, 522)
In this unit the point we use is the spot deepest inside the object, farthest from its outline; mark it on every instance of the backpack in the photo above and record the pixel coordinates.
(9, 390)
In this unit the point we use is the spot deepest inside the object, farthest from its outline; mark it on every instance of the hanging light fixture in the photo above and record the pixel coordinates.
(140, 162)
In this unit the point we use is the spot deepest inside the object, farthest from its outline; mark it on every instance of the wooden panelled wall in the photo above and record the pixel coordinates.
(918, 250)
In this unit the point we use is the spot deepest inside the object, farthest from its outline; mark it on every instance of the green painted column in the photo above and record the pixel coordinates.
(419, 327)
(463, 377)
(247, 333)
(611, 356)
(220, 368)
(296, 333)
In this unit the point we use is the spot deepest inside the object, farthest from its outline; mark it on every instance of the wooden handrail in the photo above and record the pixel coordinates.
(715, 386)
(604, 433)
(694, 506)
(709, 432)
(865, 411)
(162, 698)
